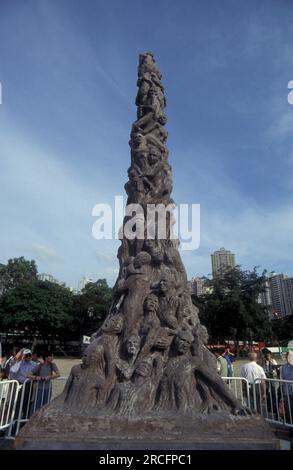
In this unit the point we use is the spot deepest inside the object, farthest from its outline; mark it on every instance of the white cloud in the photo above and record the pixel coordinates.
(44, 253)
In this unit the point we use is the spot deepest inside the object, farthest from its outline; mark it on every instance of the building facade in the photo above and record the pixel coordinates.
(281, 287)
(49, 278)
(197, 286)
(222, 260)
(265, 299)
(83, 282)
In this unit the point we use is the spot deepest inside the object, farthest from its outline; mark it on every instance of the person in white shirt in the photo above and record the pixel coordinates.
(251, 372)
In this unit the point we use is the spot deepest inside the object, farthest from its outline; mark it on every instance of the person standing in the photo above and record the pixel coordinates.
(270, 366)
(43, 375)
(21, 369)
(286, 373)
(230, 357)
(222, 365)
(254, 372)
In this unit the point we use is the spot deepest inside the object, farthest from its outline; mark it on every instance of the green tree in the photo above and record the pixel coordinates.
(38, 308)
(283, 329)
(230, 308)
(92, 306)
(16, 271)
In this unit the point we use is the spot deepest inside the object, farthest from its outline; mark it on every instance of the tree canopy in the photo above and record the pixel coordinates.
(37, 307)
(43, 308)
(16, 271)
(230, 307)
(92, 305)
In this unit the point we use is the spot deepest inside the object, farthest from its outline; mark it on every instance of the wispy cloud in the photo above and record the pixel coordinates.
(44, 253)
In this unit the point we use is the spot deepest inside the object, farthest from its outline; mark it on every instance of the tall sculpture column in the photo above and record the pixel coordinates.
(147, 370)
(150, 354)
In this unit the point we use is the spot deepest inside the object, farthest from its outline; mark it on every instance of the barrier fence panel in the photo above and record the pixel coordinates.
(239, 386)
(8, 399)
(274, 400)
(33, 394)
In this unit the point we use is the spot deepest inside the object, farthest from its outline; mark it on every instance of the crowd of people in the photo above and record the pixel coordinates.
(34, 372)
(277, 396)
(261, 366)
(225, 359)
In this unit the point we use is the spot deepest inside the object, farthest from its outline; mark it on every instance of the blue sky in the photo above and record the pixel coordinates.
(68, 73)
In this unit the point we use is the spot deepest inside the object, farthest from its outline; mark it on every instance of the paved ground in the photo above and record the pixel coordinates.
(65, 365)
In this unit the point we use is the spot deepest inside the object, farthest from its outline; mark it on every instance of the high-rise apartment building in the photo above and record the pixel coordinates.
(83, 282)
(265, 299)
(281, 287)
(197, 285)
(222, 260)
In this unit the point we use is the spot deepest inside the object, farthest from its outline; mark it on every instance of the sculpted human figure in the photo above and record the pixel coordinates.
(126, 366)
(139, 151)
(168, 302)
(187, 312)
(173, 258)
(136, 287)
(162, 185)
(144, 83)
(177, 389)
(154, 248)
(150, 128)
(90, 383)
(151, 319)
(147, 64)
(155, 336)
(138, 395)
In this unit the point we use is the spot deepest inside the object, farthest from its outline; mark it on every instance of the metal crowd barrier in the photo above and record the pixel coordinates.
(276, 404)
(9, 390)
(271, 398)
(32, 395)
(239, 386)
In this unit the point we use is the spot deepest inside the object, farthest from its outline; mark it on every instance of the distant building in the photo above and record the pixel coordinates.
(83, 282)
(281, 287)
(265, 299)
(49, 278)
(1, 281)
(289, 285)
(197, 286)
(74, 290)
(222, 260)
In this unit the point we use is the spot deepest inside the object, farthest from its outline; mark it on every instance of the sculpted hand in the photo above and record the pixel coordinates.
(173, 301)
(163, 343)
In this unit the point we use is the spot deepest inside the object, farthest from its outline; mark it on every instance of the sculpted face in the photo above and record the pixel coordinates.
(153, 158)
(183, 342)
(89, 356)
(164, 285)
(138, 139)
(186, 312)
(151, 303)
(142, 258)
(132, 345)
(113, 324)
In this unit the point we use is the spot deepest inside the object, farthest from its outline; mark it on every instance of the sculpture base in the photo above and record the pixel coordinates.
(56, 430)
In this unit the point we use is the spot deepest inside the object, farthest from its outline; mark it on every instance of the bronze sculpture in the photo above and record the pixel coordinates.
(147, 373)
(151, 291)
